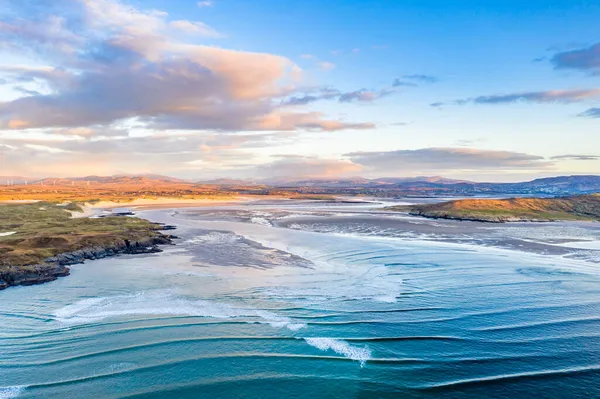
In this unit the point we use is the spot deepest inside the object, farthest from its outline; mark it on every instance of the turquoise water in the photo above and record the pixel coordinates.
(243, 309)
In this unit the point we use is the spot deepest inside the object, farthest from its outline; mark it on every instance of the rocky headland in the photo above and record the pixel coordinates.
(43, 240)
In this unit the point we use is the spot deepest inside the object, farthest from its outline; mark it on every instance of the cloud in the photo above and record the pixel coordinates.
(321, 64)
(469, 142)
(445, 160)
(590, 113)
(44, 32)
(61, 152)
(326, 65)
(308, 167)
(400, 83)
(206, 3)
(576, 157)
(308, 121)
(25, 91)
(551, 96)
(196, 28)
(584, 59)
(413, 80)
(17, 124)
(302, 100)
(364, 95)
(422, 78)
(109, 63)
(565, 96)
(327, 93)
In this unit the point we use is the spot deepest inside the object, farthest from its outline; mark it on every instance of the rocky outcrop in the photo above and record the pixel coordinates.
(30, 275)
(56, 266)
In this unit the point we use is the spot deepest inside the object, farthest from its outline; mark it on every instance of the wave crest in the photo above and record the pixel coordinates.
(361, 354)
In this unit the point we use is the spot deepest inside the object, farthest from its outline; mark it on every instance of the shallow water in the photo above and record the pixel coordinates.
(261, 302)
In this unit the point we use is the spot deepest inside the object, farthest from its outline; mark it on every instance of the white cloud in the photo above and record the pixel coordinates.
(121, 63)
(446, 161)
(308, 167)
(196, 28)
(326, 65)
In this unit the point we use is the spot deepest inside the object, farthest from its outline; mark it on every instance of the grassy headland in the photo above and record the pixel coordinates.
(38, 240)
(583, 207)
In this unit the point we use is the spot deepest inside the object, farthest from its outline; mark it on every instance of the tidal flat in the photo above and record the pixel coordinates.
(276, 299)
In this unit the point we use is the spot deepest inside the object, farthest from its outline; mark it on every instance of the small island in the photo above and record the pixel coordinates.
(582, 208)
(39, 240)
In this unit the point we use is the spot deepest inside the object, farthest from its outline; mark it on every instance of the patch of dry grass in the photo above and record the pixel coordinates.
(583, 207)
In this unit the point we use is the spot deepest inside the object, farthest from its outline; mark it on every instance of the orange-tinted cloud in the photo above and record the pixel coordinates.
(119, 63)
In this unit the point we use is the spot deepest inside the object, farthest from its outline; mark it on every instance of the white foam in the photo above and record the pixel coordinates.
(163, 304)
(11, 392)
(8, 233)
(340, 283)
(594, 245)
(341, 347)
(261, 221)
(214, 237)
(120, 366)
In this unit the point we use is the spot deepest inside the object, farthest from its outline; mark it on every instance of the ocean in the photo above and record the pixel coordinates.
(298, 299)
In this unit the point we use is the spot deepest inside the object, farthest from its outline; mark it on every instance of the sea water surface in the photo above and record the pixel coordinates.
(301, 299)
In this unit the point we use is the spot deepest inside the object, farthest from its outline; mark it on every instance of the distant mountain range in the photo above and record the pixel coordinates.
(115, 179)
(436, 185)
(390, 186)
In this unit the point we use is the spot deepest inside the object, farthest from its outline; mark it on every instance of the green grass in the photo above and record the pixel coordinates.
(44, 230)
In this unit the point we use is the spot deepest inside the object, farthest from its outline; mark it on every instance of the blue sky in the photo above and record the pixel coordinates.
(488, 90)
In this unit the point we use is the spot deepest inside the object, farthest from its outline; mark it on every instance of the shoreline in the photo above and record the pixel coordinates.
(500, 220)
(57, 266)
(51, 268)
(494, 221)
(45, 240)
(96, 208)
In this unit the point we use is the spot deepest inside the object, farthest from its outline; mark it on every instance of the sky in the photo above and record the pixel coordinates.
(484, 90)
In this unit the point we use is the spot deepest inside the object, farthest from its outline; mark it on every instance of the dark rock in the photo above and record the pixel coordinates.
(31, 275)
(117, 214)
(56, 266)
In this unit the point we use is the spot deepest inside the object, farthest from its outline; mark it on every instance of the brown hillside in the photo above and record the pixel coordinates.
(584, 207)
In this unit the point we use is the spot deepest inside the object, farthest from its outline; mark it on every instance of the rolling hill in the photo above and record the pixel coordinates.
(583, 207)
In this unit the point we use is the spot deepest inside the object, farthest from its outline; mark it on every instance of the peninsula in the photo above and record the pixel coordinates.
(38, 241)
(582, 207)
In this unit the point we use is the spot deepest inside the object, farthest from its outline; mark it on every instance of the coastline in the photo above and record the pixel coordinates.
(573, 208)
(57, 266)
(93, 209)
(51, 268)
(45, 240)
(498, 220)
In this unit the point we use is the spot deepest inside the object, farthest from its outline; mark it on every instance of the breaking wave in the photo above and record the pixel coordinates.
(164, 304)
(361, 354)
(11, 392)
